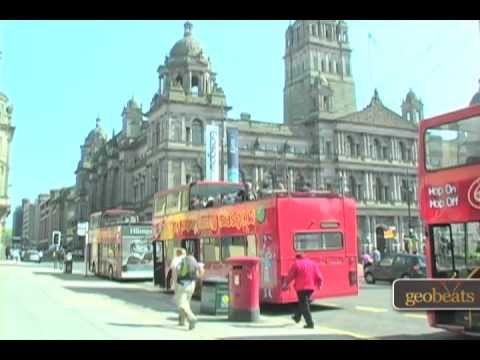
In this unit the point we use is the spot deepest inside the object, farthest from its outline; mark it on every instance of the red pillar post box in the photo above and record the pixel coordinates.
(244, 288)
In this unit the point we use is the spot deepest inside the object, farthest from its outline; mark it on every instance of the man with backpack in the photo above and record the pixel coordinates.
(188, 271)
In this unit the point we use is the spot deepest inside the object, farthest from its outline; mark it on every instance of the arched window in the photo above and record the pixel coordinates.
(197, 133)
(195, 86)
(179, 80)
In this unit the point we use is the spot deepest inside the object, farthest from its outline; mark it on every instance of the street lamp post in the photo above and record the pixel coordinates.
(408, 204)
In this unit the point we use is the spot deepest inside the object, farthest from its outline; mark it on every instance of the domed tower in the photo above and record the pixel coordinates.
(318, 75)
(132, 117)
(476, 98)
(412, 108)
(186, 75)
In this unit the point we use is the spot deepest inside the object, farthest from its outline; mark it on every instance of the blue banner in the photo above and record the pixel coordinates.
(233, 155)
(212, 153)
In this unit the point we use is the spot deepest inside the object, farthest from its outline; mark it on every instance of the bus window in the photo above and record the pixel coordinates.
(233, 246)
(318, 241)
(172, 202)
(251, 245)
(185, 200)
(160, 203)
(211, 250)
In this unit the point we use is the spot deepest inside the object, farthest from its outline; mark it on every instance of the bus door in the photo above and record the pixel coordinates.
(159, 263)
(192, 245)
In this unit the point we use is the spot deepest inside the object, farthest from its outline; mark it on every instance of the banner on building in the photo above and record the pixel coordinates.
(212, 156)
(233, 155)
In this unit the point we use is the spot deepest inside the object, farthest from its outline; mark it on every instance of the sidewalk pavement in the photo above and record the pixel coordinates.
(139, 307)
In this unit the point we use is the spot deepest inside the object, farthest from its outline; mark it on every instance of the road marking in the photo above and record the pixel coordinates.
(371, 309)
(327, 304)
(416, 316)
(348, 333)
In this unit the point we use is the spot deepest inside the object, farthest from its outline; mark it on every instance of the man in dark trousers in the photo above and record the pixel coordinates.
(307, 276)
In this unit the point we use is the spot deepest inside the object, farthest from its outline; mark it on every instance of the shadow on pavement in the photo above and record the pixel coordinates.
(430, 336)
(293, 337)
(171, 327)
(289, 309)
(137, 296)
(64, 276)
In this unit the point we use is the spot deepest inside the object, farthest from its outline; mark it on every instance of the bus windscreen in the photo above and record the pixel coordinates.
(452, 144)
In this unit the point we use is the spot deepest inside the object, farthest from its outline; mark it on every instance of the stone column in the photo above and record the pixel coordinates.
(182, 173)
(369, 235)
(367, 187)
(374, 231)
(339, 146)
(365, 145)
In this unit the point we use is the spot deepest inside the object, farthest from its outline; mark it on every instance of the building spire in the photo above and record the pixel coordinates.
(188, 29)
(97, 122)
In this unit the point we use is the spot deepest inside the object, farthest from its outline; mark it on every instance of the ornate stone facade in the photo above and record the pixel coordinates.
(324, 142)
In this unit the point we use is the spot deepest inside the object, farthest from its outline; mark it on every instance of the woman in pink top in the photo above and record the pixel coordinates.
(307, 277)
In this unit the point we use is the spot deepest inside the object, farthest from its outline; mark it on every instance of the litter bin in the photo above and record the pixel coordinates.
(214, 297)
(244, 288)
(68, 264)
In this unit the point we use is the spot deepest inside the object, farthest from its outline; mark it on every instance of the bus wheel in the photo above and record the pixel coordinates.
(110, 272)
(369, 278)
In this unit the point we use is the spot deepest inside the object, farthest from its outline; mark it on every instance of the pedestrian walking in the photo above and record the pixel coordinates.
(377, 256)
(367, 261)
(188, 271)
(307, 277)
(179, 255)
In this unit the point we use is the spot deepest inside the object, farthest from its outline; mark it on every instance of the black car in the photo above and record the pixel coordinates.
(401, 266)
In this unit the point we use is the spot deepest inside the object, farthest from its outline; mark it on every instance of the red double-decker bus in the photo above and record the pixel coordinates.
(216, 221)
(449, 188)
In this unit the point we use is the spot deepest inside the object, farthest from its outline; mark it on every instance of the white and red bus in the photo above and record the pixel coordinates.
(119, 246)
(274, 228)
(449, 189)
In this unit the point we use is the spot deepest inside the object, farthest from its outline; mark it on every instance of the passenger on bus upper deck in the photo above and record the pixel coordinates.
(210, 202)
(195, 203)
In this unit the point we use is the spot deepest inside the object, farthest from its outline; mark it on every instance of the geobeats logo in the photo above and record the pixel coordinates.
(473, 194)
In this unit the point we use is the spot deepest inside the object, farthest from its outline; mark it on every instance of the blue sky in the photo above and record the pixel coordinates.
(61, 75)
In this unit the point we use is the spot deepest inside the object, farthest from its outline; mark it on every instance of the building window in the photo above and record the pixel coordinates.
(323, 65)
(378, 149)
(352, 184)
(315, 62)
(403, 152)
(379, 190)
(188, 135)
(328, 149)
(385, 153)
(351, 146)
(357, 149)
(197, 133)
(195, 90)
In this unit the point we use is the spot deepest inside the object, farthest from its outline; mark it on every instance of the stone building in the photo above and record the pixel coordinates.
(323, 142)
(6, 135)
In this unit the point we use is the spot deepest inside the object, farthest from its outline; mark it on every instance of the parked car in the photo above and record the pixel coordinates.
(401, 266)
(32, 255)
